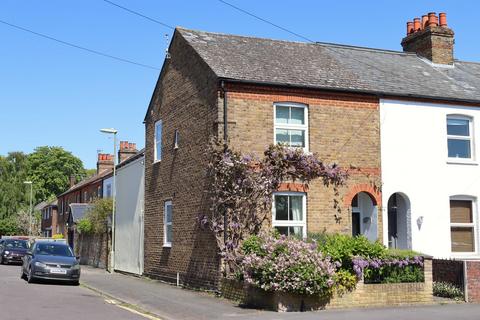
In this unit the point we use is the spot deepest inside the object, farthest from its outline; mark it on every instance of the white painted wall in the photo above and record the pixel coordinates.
(414, 162)
(130, 184)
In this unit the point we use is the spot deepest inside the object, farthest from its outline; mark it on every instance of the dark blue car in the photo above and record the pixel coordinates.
(51, 261)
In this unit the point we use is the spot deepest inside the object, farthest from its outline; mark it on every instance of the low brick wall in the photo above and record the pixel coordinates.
(93, 249)
(365, 295)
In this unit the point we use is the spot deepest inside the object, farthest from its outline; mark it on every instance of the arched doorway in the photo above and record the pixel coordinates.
(364, 216)
(399, 226)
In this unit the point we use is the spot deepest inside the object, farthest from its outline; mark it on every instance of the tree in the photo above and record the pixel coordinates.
(8, 227)
(50, 169)
(22, 219)
(13, 192)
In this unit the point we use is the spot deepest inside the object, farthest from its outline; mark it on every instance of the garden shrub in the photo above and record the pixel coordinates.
(57, 236)
(84, 226)
(288, 265)
(447, 290)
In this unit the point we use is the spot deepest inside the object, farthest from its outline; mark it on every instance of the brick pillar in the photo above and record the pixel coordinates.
(472, 281)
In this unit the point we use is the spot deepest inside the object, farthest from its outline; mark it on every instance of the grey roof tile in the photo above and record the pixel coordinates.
(331, 66)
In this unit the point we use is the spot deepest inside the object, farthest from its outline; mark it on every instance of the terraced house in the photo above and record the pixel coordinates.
(404, 121)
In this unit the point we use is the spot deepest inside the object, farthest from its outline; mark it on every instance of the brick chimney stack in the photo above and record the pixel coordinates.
(431, 38)
(104, 162)
(127, 149)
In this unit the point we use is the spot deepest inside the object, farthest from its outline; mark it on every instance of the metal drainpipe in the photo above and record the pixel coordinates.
(225, 141)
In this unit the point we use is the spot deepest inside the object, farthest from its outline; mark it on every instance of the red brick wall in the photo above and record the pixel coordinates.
(473, 281)
(343, 128)
(185, 100)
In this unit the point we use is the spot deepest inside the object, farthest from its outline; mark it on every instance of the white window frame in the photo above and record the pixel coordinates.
(165, 223)
(473, 224)
(470, 138)
(156, 144)
(288, 223)
(286, 126)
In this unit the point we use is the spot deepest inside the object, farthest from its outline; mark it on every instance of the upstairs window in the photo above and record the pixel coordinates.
(291, 125)
(158, 141)
(289, 214)
(459, 135)
(167, 224)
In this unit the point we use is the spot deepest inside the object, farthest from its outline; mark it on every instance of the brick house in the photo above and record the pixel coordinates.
(49, 219)
(325, 98)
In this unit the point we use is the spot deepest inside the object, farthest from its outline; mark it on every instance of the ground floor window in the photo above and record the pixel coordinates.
(167, 224)
(289, 213)
(462, 225)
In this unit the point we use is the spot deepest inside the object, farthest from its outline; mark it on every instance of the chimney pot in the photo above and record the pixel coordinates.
(417, 25)
(443, 19)
(424, 21)
(432, 19)
(409, 27)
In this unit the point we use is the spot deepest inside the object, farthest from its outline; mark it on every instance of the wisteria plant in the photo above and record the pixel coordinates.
(242, 187)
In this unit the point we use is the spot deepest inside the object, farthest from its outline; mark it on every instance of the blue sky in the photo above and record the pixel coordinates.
(51, 94)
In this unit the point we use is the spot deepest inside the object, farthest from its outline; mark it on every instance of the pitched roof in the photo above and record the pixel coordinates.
(334, 67)
(88, 181)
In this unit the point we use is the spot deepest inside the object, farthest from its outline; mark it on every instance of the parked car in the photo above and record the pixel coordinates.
(51, 260)
(12, 250)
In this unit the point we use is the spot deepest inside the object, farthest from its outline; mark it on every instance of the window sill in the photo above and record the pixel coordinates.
(167, 245)
(157, 161)
(462, 162)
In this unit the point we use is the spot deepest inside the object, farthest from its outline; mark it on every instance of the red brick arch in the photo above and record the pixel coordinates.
(374, 194)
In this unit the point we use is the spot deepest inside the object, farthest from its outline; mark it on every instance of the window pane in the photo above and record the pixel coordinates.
(459, 148)
(297, 138)
(296, 208)
(297, 116)
(169, 233)
(158, 131)
(282, 136)
(282, 114)
(281, 207)
(462, 239)
(458, 127)
(282, 230)
(461, 211)
(168, 213)
(296, 231)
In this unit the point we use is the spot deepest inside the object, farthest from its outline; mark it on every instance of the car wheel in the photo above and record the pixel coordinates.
(30, 278)
(75, 283)
(22, 274)
(1, 259)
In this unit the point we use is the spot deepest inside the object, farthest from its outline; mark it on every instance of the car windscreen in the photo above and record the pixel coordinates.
(49, 249)
(16, 244)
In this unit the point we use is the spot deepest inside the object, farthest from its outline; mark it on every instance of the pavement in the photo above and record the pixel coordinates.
(52, 300)
(165, 301)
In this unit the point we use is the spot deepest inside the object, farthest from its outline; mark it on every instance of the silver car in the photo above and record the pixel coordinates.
(51, 261)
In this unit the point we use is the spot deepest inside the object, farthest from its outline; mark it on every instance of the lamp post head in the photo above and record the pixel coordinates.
(110, 131)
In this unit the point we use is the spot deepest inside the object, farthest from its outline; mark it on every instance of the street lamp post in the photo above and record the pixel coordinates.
(114, 191)
(31, 207)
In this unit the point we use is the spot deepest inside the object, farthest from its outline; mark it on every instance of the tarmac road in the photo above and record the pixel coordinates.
(48, 300)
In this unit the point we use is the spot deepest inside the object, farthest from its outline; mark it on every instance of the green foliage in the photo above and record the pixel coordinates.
(345, 281)
(97, 215)
(13, 192)
(394, 274)
(343, 248)
(84, 226)
(447, 290)
(50, 169)
(8, 227)
(57, 236)
(253, 244)
(90, 172)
